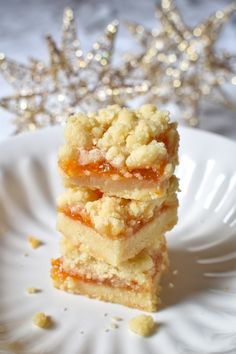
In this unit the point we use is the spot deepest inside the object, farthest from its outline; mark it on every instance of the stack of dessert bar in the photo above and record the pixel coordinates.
(119, 200)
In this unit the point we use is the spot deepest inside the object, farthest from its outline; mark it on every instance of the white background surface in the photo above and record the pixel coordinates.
(23, 25)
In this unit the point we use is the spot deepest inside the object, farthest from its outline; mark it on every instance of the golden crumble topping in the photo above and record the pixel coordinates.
(77, 196)
(41, 320)
(34, 242)
(127, 139)
(109, 215)
(142, 325)
(113, 215)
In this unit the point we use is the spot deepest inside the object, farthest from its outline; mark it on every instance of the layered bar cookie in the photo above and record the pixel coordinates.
(115, 229)
(134, 283)
(120, 199)
(126, 153)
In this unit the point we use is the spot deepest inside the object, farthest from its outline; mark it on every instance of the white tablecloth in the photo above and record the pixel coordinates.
(23, 25)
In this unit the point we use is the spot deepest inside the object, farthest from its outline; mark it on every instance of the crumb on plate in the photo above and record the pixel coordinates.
(142, 325)
(114, 326)
(116, 318)
(33, 290)
(41, 320)
(34, 242)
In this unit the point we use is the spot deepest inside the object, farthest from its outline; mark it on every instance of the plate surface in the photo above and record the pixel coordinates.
(198, 313)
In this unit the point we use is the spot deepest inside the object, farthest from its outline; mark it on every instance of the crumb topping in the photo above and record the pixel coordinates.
(142, 325)
(34, 242)
(90, 156)
(110, 215)
(113, 216)
(127, 139)
(41, 320)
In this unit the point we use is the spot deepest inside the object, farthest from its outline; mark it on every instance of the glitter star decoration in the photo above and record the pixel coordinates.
(181, 64)
(71, 81)
(177, 65)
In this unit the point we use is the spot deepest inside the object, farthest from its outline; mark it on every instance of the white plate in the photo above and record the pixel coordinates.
(198, 314)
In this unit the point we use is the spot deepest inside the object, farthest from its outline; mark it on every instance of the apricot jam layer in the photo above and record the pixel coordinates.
(58, 274)
(76, 215)
(72, 168)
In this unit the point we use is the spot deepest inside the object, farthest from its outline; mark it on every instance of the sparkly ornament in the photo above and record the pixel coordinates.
(180, 63)
(72, 80)
(177, 65)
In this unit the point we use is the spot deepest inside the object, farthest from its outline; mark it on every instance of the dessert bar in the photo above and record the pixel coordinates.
(135, 283)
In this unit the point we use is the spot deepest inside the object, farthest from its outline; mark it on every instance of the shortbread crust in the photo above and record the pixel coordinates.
(115, 251)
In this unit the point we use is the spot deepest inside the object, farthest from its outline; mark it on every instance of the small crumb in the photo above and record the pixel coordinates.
(175, 272)
(82, 332)
(171, 285)
(116, 318)
(105, 314)
(114, 326)
(107, 330)
(65, 309)
(33, 290)
(34, 242)
(142, 325)
(26, 255)
(41, 320)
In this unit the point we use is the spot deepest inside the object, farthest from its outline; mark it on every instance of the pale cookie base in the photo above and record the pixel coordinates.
(127, 188)
(117, 251)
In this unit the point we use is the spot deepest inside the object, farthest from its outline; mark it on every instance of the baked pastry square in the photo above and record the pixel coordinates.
(114, 229)
(135, 283)
(122, 152)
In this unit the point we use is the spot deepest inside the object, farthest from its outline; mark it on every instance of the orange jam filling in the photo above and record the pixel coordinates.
(164, 138)
(59, 274)
(76, 215)
(72, 168)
